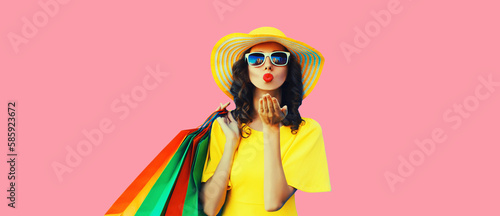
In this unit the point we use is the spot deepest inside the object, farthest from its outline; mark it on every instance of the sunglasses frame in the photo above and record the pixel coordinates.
(265, 57)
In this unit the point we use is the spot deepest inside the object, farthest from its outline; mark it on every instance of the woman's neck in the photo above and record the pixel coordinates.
(257, 94)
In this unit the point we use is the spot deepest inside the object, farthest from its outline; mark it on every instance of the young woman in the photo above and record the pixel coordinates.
(263, 150)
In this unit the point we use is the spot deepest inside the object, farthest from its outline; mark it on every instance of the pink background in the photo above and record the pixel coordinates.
(427, 58)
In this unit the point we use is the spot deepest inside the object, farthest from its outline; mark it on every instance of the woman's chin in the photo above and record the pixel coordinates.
(269, 86)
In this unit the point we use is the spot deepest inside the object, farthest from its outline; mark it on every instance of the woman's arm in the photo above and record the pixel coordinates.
(276, 189)
(213, 192)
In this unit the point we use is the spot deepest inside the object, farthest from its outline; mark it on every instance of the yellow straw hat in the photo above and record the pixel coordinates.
(230, 48)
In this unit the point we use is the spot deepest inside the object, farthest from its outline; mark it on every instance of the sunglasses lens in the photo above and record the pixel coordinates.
(279, 58)
(255, 59)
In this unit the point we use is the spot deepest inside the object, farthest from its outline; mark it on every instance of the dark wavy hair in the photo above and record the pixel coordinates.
(242, 90)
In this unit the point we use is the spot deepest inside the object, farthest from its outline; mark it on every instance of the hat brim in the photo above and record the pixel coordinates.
(230, 48)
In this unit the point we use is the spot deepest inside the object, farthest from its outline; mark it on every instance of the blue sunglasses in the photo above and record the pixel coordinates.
(278, 58)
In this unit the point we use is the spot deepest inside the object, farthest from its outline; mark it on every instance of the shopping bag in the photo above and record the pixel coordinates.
(134, 195)
(160, 194)
(176, 204)
(170, 184)
(191, 203)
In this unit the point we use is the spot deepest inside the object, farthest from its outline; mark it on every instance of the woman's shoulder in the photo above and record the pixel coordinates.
(310, 123)
(309, 136)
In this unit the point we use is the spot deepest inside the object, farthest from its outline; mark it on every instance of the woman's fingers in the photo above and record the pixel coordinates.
(221, 120)
(270, 110)
(219, 107)
(261, 106)
(222, 123)
(264, 104)
(228, 131)
(230, 115)
(222, 106)
(226, 120)
(269, 104)
(277, 108)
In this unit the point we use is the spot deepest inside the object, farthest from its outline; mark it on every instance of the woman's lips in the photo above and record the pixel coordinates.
(268, 77)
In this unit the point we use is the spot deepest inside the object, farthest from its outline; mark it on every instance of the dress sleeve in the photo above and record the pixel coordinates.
(305, 163)
(214, 154)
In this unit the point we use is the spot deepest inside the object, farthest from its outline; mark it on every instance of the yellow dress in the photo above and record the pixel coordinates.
(304, 164)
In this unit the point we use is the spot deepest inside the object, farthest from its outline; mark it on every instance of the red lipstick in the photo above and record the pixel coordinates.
(268, 77)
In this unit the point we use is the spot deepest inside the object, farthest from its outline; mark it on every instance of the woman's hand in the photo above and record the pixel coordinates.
(230, 128)
(270, 112)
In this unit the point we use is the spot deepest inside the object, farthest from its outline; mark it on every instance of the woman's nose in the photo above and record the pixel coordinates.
(267, 63)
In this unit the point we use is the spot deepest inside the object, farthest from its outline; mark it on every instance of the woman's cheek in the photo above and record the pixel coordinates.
(254, 79)
(283, 75)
